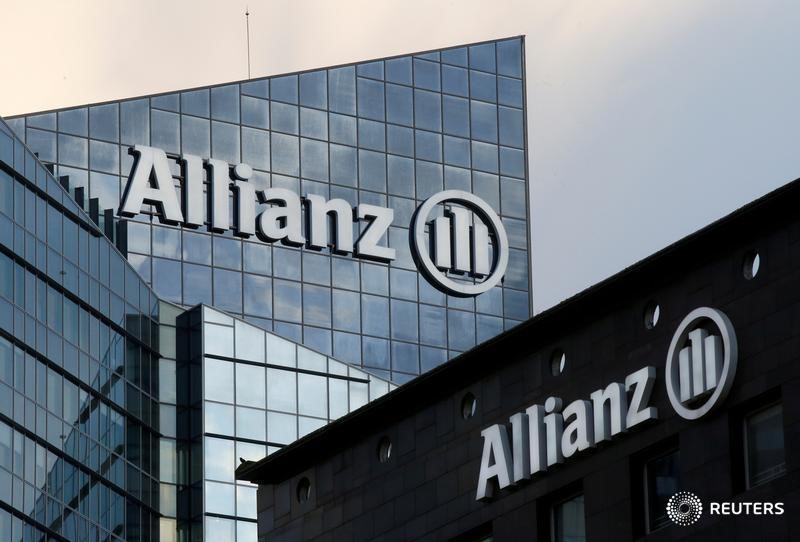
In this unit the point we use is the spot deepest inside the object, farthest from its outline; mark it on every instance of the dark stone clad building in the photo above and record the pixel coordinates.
(712, 405)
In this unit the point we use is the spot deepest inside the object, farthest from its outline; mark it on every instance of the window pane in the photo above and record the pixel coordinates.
(218, 380)
(569, 523)
(342, 88)
(220, 499)
(255, 112)
(662, 482)
(313, 89)
(765, 454)
(251, 423)
(313, 394)
(281, 428)
(218, 418)
(250, 385)
(225, 103)
(370, 99)
(219, 459)
(281, 390)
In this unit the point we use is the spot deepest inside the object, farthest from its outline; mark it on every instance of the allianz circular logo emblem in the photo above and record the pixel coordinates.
(684, 508)
(701, 363)
(459, 243)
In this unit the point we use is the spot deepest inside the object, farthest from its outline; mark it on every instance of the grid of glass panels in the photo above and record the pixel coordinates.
(390, 132)
(170, 475)
(78, 414)
(261, 392)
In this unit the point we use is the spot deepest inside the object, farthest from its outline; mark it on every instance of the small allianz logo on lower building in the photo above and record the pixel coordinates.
(685, 508)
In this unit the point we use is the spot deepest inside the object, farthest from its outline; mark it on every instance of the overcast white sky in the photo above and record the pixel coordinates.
(646, 120)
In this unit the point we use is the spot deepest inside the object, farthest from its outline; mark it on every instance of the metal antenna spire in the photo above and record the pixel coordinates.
(247, 18)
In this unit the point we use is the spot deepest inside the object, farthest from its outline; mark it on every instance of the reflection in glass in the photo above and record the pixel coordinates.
(250, 385)
(246, 502)
(343, 165)
(483, 86)
(312, 391)
(250, 342)
(662, 481)
(455, 113)
(73, 151)
(219, 459)
(255, 112)
(218, 418)
(281, 390)
(288, 300)
(167, 279)
(195, 103)
(342, 129)
(426, 74)
(165, 131)
(225, 103)
(372, 170)
(196, 247)
(342, 90)
(370, 99)
(220, 499)
(219, 529)
(308, 425)
(375, 315)
(455, 81)
(764, 446)
(314, 89)
(313, 123)
(482, 57)
(251, 423)
(346, 313)
(225, 141)
(285, 154)
(257, 295)
(314, 159)
(399, 105)
(280, 351)
(569, 523)
(316, 305)
(228, 290)
(284, 88)
(398, 70)
(281, 428)
(218, 378)
(257, 258)
(427, 110)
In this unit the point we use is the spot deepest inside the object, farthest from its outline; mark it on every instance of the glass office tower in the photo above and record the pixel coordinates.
(164, 351)
(389, 133)
(78, 361)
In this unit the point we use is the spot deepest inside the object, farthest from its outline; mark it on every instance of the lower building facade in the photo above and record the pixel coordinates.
(661, 404)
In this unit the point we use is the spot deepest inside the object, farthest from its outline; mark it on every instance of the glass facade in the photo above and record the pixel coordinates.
(126, 400)
(389, 132)
(247, 392)
(78, 360)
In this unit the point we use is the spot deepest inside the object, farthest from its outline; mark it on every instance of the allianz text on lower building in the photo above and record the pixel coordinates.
(660, 404)
(196, 278)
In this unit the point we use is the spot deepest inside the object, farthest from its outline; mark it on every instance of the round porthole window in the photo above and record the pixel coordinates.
(384, 449)
(303, 490)
(751, 265)
(557, 362)
(468, 406)
(652, 312)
